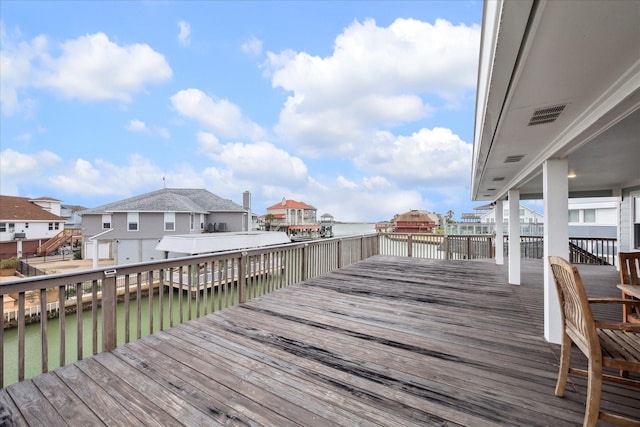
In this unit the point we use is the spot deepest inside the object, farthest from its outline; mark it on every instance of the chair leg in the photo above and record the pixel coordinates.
(594, 393)
(563, 371)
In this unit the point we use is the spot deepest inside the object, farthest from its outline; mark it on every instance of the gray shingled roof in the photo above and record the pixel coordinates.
(170, 200)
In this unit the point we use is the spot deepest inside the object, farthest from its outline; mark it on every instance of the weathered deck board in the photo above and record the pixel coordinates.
(388, 341)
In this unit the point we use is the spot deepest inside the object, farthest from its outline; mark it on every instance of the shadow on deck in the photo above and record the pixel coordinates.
(387, 341)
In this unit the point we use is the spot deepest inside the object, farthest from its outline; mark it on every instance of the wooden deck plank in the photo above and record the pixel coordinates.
(9, 411)
(387, 341)
(230, 404)
(87, 392)
(34, 407)
(141, 406)
(382, 361)
(65, 401)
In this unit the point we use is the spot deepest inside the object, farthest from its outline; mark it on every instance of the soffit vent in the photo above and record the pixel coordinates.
(546, 115)
(499, 178)
(514, 159)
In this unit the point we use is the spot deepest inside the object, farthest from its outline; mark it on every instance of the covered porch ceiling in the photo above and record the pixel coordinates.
(557, 80)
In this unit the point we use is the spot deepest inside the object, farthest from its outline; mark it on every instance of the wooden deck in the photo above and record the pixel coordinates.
(388, 341)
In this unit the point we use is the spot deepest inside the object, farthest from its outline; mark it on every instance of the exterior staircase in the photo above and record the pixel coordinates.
(58, 240)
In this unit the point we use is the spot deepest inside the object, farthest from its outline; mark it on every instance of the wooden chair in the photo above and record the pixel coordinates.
(630, 275)
(605, 344)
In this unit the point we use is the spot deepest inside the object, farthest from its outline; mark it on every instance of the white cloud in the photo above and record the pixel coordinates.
(184, 36)
(18, 170)
(99, 178)
(94, 68)
(219, 116)
(163, 133)
(260, 161)
(16, 69)
(136, 125)
(253, 46)
(345, 183)
(376, 77)
(429, 158)
(89, 68)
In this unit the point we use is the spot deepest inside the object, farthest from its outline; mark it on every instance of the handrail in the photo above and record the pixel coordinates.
(182, 288)
(58, 240)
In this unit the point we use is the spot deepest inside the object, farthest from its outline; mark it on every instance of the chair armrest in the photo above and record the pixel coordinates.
(620, 326)
(613, 301)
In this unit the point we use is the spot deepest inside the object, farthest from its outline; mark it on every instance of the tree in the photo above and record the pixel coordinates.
(269, 218)
(450, 216)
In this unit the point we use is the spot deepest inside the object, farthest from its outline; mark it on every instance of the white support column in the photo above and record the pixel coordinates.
(95, 256)
(514, 237)
(499, 233)
(556, 239)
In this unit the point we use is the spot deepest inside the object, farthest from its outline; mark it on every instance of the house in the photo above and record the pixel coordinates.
(558, 117)
(594, 217)
(71, 214)
(26, 224)
(129, 230)
(483, 222)
(297, 219)
(416, 221)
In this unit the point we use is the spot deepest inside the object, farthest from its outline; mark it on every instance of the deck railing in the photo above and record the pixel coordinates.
(582, 250)
(182, 289)
(177, 290)
(437, 246)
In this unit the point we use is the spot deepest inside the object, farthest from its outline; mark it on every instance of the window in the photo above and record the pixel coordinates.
(574, 215)
(590, 215)
(12, 227)
(106, 222)
(132, 221)
(169, 221)
(3, 227)
(50, 226)
(191, 219)
(26, 225)
(56, 226)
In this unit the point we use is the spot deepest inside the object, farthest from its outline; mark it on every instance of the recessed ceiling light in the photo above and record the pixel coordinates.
(571, 175)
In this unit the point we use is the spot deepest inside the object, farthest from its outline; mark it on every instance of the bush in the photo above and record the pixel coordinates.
(13, 263)
(77, 255)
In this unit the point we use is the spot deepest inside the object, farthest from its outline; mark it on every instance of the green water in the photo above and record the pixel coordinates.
(33, 348)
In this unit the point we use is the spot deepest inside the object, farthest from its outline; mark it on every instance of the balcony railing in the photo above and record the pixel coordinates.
(177, 290)
(181, 289)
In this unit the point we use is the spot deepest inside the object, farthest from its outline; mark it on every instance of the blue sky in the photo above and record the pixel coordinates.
(362, 109)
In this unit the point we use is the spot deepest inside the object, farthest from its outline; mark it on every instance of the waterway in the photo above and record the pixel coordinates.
(33, 348)
(33, 356)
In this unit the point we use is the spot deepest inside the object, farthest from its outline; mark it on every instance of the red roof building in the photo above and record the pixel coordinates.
(416, 221)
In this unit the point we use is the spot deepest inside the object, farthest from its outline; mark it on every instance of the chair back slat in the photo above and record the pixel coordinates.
(574, 305)
(629, 268)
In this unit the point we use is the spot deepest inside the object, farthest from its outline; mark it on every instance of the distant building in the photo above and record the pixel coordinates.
(416, 221)
(129, 230)
(594, 217)
(71, 214)
(297, 219)
(484, 219)
(26, 224)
